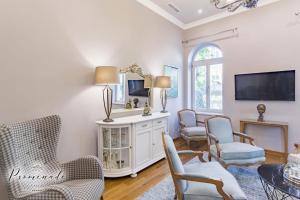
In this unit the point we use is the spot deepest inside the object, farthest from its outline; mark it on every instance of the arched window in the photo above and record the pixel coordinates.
(207, 79)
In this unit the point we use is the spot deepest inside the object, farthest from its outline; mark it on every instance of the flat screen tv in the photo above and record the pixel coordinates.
(136, 88)
(272, 86)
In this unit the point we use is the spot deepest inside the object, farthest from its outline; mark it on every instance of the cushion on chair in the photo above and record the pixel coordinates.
(238, 151)
(205, 191)
(84, 189)
(176, 162)
(194, 131)
(221, 128)
(188, 117)
(81, 189)
(250, 161)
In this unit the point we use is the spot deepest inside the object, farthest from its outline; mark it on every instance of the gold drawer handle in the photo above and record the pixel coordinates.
(159, 122)
(145, 125)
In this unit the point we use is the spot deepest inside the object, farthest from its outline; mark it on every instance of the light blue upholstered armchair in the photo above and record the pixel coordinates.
(227, 151)
(30, 169)
(200, 181)
(190, 128)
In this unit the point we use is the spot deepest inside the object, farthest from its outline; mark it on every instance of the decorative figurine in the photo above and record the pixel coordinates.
(129, 104)
(135, 101)
(261, 108)
(147, 109)
(297, 149)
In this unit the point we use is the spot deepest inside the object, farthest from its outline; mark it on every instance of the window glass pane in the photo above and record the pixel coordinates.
(119, 94)
(209, 52)
(200, 87)
(216, 80)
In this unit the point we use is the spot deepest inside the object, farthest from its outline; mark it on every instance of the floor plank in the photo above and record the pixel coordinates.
(130, 188)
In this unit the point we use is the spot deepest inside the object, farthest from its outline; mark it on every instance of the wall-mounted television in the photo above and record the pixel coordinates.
(136, 88)
(271, 86)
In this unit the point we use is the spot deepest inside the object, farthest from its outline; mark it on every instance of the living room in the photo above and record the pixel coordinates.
(61, 58)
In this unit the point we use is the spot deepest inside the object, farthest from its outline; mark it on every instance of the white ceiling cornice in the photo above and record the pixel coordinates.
(158, 10)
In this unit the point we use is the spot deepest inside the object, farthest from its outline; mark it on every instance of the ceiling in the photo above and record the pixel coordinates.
(185, 13)
(188, 9)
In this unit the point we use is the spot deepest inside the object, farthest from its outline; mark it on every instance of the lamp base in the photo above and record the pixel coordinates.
(108, 120)
(164, 99)
(145, 115)
(164, 111)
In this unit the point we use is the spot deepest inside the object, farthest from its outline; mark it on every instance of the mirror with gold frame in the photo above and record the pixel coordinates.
(132, 75)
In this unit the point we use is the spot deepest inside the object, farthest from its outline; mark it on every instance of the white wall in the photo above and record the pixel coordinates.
(48, 52)
(269, 40)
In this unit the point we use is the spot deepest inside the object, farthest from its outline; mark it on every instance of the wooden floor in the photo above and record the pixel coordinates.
(130, 188)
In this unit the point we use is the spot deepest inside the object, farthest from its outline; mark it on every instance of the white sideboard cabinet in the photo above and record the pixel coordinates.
(130, 144)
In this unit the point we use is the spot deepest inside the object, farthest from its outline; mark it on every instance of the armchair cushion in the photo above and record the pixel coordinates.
(204, 191)
(74, 190)
(194, 131)
(88, 167)
(250, 161)
(188, 117)
(238, 151)
(84, 189)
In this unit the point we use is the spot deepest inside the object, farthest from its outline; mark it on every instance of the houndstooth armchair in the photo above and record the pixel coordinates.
(28, 164)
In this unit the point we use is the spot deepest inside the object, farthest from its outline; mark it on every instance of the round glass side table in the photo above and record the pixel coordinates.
(275, 185)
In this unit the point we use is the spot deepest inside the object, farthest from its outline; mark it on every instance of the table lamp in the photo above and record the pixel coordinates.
(107, 75)
(163, 82)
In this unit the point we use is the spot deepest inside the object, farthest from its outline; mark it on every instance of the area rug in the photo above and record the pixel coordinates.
(247, 177)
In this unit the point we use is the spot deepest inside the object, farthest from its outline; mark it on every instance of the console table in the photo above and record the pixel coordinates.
(130, 144)
(282, 125)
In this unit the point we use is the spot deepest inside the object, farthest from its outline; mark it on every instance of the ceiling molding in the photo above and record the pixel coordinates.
(158, 10)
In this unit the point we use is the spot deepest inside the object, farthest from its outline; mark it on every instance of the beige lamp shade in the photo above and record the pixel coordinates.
(106, 75)
(163, 82)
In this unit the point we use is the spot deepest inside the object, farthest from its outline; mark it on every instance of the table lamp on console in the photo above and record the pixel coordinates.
(106, 76)
(163, 82)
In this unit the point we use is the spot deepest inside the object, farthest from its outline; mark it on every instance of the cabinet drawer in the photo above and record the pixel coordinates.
(143, 125)
(160, 122)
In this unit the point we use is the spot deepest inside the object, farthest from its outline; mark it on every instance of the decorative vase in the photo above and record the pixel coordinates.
(261, 108)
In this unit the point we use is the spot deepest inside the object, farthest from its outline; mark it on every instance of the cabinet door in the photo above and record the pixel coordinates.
(143, 147)
(157, 145)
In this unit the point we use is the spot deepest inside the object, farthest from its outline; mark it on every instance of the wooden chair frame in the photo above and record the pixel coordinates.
(188, 139)
(192, 177)
(211, 137)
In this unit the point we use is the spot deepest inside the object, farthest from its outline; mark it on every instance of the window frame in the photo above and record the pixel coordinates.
(207, 63)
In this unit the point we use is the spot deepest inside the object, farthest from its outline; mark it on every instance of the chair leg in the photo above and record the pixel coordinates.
(101, 198)
(175, 196)
(189, 143)
(209, 157)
